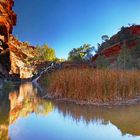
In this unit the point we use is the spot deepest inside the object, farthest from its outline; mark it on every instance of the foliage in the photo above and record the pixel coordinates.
(129, 58)
(124, 60)
(105, 38)
(135, 53)
(102, 62)
(81, 53)
(45, 53)
(59, 60)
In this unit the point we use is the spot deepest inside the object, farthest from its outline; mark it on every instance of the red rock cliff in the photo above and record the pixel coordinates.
(127, 36)
(14, 55)
(7, 18)
(7, 21)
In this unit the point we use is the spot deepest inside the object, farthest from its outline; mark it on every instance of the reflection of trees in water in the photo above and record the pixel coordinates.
(20, 102)
(126, 118)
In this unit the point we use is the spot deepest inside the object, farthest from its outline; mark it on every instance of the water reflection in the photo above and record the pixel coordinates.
(20, 102)
(125, 118)
(24, 116)
(25, 101)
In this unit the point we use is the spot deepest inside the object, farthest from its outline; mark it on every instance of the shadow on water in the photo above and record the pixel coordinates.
(22, 101)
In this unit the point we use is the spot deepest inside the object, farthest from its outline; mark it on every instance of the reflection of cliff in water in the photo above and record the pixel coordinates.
(125, 118)
(26, 101)
(20, 102)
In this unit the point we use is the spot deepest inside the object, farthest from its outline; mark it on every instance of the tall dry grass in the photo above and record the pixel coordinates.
(93, 85)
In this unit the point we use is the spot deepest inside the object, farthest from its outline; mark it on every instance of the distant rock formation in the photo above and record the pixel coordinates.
(111, 48)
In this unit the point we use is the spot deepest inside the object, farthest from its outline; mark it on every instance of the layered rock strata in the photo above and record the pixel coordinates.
(7, 21)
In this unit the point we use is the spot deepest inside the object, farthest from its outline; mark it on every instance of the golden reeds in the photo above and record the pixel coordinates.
(93, 85)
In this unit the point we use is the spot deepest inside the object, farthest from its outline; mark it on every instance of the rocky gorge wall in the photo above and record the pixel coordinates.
(16, 57)
(7, 21)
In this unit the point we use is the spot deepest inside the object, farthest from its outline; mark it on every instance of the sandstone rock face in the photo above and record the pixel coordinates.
(7, 21)
(7, 18)
(22, 58)
(26, 73)
(16, 58)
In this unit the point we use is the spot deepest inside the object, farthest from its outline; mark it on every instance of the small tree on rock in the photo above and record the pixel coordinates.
(102, 62)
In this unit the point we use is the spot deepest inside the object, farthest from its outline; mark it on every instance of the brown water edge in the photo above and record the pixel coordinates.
(119, 102)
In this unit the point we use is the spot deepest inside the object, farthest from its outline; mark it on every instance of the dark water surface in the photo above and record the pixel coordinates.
(25, 116)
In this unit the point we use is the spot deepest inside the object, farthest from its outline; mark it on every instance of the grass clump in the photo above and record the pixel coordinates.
(93, 85)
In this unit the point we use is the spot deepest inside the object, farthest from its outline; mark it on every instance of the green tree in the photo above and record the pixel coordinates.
(102, 62)
(124, 60)
(81, 53)
(135, 54)
(105, 38)
(46, 53)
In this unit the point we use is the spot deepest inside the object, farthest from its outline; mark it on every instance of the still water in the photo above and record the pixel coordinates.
(25, 116)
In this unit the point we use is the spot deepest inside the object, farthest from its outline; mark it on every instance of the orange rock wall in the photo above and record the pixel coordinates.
(7, 17)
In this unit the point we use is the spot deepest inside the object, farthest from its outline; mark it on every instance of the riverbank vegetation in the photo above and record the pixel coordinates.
(45, 53)
(91, 85)
(111, 74)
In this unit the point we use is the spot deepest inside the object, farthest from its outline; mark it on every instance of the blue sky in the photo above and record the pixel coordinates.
(67, 24)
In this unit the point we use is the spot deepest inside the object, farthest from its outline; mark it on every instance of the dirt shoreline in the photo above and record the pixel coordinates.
(96, 103)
